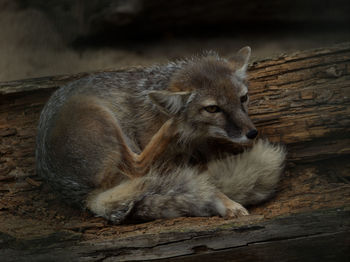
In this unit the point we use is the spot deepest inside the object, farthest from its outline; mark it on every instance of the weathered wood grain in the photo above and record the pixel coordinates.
(312, 236)
(301, 100)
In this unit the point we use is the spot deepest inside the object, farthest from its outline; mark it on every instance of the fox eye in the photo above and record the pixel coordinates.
(244, 98)
(212, 109)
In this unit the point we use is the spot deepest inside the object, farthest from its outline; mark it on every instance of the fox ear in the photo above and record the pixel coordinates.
(240, 61)
(169, 102)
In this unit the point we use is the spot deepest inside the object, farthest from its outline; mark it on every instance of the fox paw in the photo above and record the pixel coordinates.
(119, 214)
(234, 210)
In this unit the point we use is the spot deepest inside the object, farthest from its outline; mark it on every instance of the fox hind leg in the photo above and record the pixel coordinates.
(138, 165)
(233, 209)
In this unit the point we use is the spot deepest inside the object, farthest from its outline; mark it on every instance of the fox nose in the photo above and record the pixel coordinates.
(252, 134)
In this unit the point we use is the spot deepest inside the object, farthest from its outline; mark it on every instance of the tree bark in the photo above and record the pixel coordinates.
(301, 100)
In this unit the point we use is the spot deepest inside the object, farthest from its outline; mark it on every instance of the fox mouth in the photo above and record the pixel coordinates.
(240, 140)
(234, 145)
(221, 135)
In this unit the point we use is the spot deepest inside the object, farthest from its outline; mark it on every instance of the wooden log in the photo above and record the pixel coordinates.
(301, 100)
(316, 236)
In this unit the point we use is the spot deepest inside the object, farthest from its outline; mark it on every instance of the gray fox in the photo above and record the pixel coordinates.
(158, 142)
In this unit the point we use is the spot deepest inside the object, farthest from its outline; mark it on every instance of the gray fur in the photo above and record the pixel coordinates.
(72, 156)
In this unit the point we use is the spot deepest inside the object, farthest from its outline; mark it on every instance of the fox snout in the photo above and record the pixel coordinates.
(249, 129)
(241, 130)
(251, 134)
(246, 137)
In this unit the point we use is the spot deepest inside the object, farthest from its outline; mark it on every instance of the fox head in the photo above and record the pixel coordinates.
(210, 96)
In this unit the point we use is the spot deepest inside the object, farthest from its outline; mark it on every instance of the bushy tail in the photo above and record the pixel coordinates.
(248, 178)
(180, 192)
(251, 177)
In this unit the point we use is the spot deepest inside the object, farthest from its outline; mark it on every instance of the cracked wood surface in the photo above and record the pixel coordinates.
(321, 235)
(301, 100)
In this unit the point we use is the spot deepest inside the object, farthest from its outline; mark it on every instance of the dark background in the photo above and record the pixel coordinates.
(40, 37)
